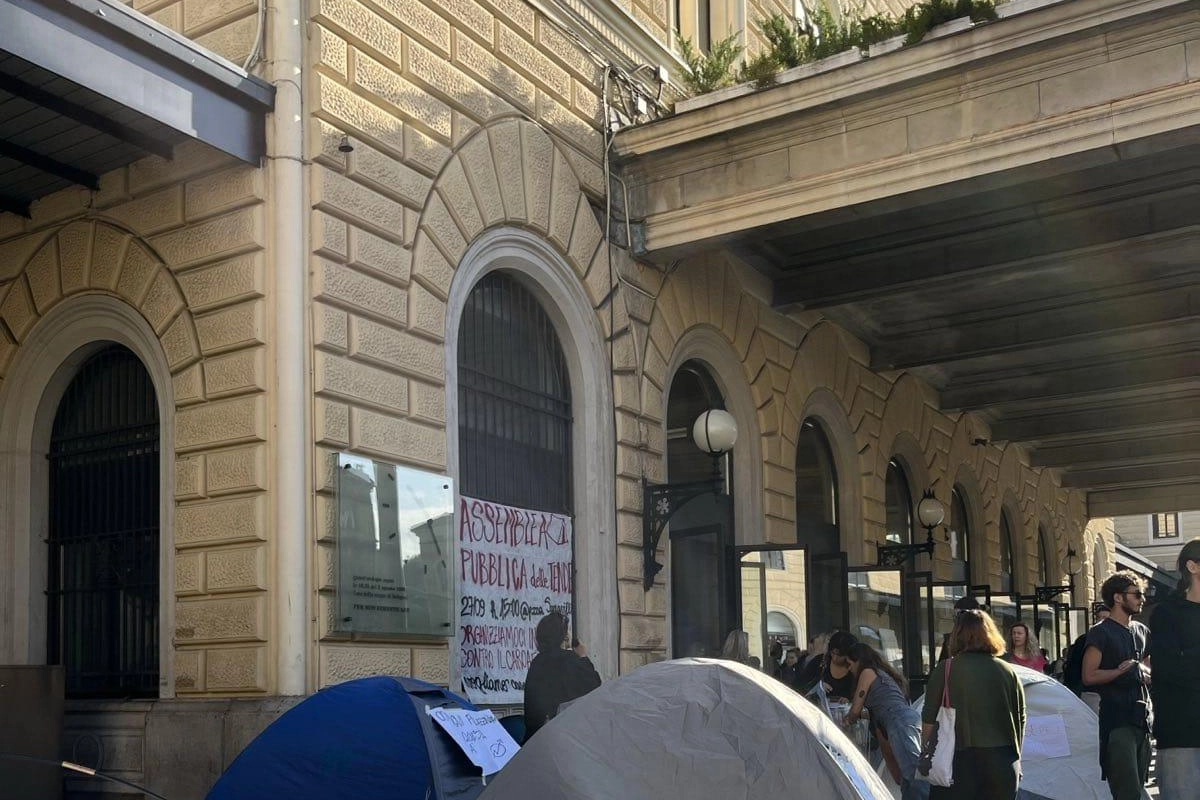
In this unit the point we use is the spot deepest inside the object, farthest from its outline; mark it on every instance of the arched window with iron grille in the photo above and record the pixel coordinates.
(514, 400)
(103, 581)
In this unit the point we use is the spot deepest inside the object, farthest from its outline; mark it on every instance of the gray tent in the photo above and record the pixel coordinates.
(1072, 771)
(695, 728)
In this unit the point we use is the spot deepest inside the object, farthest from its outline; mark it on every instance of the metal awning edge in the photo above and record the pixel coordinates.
(129, 59)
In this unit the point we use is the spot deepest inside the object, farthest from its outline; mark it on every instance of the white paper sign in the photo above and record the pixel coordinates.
(1045, 737)
(479, 734)
(514, 567)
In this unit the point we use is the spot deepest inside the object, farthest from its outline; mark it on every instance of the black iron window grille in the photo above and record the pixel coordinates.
(514, 399)
(103, 581)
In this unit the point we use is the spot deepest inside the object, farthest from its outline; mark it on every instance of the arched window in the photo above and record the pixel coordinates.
(1044, 560)
(816, 491)
(103, 577)
(514, 400)
(780, 629)
(959, 534)
(703, 601)
(1007, 584)
(898, 501)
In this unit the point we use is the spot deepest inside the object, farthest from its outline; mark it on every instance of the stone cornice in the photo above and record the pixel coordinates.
(889, 72)
(1092, 129)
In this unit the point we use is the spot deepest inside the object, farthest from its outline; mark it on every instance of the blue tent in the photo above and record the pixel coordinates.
(367, 738)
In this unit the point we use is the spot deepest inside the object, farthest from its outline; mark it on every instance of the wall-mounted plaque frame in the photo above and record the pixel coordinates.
(394, 528)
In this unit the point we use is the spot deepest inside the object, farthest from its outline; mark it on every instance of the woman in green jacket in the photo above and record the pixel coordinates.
(989, 705)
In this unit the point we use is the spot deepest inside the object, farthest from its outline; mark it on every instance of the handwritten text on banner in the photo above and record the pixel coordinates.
(514, 567)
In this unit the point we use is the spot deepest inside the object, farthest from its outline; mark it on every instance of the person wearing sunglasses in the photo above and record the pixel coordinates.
(1113, 667)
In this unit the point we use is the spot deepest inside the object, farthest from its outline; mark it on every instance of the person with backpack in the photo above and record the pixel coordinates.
(1073, 669)
(1175, 634)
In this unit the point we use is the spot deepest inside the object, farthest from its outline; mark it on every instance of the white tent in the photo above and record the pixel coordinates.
(701, 729)
(1059, 761)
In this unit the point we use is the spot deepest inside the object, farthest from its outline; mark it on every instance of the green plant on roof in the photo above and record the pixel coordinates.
(707, 72)
(923, 16)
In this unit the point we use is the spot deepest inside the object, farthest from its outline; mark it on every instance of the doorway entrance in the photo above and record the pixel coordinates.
(703, 578)
(103, 576)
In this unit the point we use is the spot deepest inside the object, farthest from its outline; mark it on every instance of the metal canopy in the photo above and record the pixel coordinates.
(1063, 309)
(87, 86)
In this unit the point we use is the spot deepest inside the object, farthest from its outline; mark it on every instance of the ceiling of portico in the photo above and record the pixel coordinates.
(1057, 298)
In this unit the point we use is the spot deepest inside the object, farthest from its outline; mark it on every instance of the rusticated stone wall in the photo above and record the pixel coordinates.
(182, 242)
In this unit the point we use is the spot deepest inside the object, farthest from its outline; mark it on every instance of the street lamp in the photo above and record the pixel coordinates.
(714, 432)
(930, 514)
(1071, 564)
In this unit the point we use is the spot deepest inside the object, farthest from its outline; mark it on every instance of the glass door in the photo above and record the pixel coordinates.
(1078, 622)
(1005, 613)
(774, 599)
(919, 605)
(828, 595)
(875, 611)
(700, 593)
(945, 595)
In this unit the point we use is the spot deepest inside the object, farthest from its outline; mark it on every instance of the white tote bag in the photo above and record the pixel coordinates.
(937, 759)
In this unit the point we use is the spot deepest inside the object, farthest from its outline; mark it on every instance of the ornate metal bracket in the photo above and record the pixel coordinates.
(897, 555)
(660, 501)
(1045, 594)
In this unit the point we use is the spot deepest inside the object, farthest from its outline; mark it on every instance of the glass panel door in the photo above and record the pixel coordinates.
(920, 627)
(876, 611)
(1062, 629)
(1004, 612)
(754, 604)
(774, 588)
(697, 627)
(1078, 622)
(828, 601)
(1045, 630)
(945, 595)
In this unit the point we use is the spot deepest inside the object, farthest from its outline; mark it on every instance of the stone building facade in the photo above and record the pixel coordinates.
(442, 141)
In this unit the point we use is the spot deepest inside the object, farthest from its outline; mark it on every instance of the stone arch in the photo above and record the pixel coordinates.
(904, 431)
(966, 463)
(824, 406)
(98, 256)
(86, 283)
(510, 198)
(823, 383)
(1010, 505)
(711, 298)
(967, 481)
(509, 173)
(708, 345)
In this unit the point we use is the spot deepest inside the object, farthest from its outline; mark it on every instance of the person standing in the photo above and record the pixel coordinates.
(1022, 649)
(989, 725)
(556, 675)
(1113, 666)
(881, 690)
(1175, 634)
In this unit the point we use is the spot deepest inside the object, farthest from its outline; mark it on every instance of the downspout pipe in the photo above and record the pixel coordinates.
(289, 288)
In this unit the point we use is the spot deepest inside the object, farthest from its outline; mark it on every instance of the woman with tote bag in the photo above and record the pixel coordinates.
(989, 713)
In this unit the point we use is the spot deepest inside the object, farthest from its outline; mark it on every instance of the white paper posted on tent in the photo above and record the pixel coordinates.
(1046, 737)
(479, 734)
